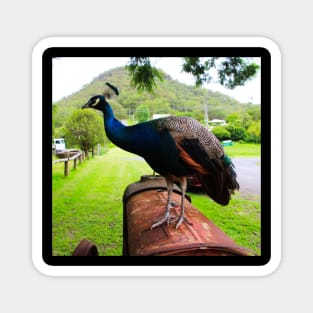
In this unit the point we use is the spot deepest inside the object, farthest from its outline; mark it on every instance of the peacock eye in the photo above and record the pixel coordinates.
(96, 102)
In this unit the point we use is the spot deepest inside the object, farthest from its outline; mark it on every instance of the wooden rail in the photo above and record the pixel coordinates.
(80, 156)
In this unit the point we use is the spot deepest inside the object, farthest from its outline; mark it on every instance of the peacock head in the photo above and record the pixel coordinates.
(99, 102)
(95, 102)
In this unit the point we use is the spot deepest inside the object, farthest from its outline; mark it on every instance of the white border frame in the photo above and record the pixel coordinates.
(156, 270)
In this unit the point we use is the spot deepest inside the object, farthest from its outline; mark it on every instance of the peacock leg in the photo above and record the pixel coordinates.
(166, 217)
(183, 187)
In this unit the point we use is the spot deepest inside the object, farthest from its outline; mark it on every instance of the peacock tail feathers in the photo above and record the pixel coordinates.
(227, 160)
(221, 185)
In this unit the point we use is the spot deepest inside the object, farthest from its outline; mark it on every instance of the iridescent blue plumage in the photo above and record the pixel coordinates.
(146, 139)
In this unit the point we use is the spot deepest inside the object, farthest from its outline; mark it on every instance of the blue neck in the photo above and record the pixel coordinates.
(113, 127)
(115, 130)
(136, 139)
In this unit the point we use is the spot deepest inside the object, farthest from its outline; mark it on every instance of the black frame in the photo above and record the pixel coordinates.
(54, 52)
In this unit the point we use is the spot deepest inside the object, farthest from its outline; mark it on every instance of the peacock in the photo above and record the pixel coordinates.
(175, 147)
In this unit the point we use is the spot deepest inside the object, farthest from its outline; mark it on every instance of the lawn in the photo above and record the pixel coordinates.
(88, 204)
(240, 219)
(243, 150)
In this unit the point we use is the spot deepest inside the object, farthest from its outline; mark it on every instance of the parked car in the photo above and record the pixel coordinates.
(58, 145)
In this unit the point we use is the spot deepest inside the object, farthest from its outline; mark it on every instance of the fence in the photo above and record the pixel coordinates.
(80, 156)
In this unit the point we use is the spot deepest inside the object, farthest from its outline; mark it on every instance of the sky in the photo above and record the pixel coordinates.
(70, 74)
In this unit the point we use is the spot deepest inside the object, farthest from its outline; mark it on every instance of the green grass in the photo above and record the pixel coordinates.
(243, 150)
(240, 219)
(88, 204)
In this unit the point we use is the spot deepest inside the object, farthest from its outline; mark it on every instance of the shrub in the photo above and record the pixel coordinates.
(142, 113)
(221, 133)
(254, 133)
(236, 132)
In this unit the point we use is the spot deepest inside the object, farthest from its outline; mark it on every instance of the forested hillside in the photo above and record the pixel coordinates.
(171, 96)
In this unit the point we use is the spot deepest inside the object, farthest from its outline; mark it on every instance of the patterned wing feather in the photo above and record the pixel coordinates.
(188, 128)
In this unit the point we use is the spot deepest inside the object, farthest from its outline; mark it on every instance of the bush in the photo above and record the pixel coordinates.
(236, 132)
(221, 133)
(142, 114)
(231, 118)
(254, 133)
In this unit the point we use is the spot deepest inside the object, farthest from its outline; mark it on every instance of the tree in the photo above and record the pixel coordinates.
(247, 120)
(231, 71)
(231, 118)
(54, 111)
(142, 113)
(254, 132)
(143, 74)
(60, 132)
(254, 112)
(157, 106)
(84, 128)
(196, 115)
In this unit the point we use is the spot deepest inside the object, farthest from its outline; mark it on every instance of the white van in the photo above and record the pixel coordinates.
(59, 144)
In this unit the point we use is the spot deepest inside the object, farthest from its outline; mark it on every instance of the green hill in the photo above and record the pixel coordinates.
(171, 96)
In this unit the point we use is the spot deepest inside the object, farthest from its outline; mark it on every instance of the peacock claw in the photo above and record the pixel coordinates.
(166, 218)
(170, 219)
(161, 221)
(181, 219)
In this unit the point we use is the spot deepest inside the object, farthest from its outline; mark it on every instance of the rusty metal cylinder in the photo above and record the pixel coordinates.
(145, 201)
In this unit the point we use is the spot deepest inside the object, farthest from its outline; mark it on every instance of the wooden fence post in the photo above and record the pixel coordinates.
(66, 168)
(66, 161)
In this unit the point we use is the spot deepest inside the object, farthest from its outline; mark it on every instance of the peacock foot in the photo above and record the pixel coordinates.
(181, 219)
(166, 218)
(170, 219)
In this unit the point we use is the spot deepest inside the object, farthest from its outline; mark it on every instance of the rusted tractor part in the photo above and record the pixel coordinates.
(85, 248)
(145, 201)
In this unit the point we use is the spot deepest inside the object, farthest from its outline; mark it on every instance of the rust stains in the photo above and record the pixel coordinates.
(198, 237)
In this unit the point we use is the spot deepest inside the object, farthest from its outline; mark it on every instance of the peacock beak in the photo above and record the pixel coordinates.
(86, 106)
(92, 103)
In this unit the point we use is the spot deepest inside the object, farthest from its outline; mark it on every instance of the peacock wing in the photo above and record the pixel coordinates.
(202, 152)
(195, 135)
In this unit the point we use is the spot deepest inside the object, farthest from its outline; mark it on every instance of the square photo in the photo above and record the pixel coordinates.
(153, 148)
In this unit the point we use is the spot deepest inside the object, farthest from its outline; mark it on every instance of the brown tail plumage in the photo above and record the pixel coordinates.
(220, 185)
(216, 173)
